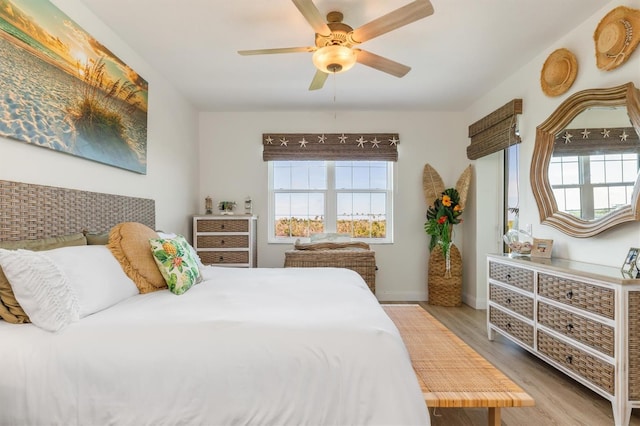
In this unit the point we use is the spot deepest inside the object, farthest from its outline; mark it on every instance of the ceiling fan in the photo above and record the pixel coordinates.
(335, 41)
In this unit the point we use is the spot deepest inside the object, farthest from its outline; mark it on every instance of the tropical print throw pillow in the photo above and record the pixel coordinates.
(176, 263)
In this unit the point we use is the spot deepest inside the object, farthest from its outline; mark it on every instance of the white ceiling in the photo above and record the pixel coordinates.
(457, 54)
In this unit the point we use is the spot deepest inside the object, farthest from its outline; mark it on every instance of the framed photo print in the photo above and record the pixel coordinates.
(630, 266)
(541, 248)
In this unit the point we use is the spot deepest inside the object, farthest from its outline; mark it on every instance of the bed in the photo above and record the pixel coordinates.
(243, 346)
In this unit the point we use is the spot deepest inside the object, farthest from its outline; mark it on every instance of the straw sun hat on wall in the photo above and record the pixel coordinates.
(616, 37)
(558, 72)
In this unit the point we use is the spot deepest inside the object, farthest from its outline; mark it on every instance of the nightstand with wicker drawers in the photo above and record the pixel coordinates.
(583, 319)
(226, 240)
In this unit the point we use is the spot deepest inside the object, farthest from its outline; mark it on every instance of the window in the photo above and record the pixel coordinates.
(352, 197)
(511, 188)
(590, 186)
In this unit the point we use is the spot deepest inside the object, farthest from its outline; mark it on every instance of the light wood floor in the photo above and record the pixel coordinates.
(559, 399)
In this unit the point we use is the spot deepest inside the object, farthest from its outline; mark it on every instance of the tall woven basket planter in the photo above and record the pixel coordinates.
(445, 289)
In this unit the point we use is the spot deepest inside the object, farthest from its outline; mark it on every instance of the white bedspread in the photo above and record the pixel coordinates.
(245, 347)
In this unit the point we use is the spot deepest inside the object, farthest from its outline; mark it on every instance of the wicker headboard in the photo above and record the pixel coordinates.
(30, 211)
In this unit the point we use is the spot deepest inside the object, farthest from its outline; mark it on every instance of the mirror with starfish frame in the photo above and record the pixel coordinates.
(565, 138)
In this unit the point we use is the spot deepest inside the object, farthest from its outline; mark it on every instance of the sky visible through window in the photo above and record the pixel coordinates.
(610, 177)
(302, 178)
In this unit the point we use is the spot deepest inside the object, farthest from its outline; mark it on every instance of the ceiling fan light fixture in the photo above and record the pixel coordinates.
(334, 59)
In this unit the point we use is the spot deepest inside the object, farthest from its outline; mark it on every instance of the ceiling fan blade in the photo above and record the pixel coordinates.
(318, 80)
(405, 15)
(313, 16)
(278, 50)
(382, 64)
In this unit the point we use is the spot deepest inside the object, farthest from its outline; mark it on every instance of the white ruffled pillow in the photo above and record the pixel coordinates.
(41, 288)
(95, 275)
(58, 287)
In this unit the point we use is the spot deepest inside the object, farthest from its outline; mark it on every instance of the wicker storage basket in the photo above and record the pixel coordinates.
(445, 290)
(359, 260)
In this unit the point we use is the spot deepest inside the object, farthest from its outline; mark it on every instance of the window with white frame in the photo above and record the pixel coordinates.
(351, 197)
(590, 186)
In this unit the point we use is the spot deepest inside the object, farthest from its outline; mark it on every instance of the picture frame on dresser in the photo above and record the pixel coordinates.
(541, 248)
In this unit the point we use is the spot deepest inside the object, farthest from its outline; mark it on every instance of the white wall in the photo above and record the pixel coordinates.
(609, 247)
(219, 154)
(231, 168)
(172, 173)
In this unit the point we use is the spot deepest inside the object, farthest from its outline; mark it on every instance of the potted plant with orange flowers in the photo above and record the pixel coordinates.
(441, 216)
(444, 210)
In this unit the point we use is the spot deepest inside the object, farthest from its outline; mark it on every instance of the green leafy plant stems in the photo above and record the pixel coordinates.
(441, 216)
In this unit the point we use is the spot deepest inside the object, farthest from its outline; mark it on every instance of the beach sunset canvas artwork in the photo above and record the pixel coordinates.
(62, 89)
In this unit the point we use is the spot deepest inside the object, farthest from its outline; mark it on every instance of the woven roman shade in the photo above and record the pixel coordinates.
(495, 132)
(330, 146)
(596, 141)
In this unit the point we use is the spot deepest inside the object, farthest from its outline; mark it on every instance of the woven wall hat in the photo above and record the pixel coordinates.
(616, 37)
(558, 72)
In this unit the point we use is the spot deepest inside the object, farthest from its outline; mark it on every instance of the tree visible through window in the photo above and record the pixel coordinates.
(349, 197)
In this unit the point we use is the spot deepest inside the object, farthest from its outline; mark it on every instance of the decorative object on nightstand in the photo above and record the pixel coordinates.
(226, 240)
(208, 205)
(248, 206)
(226, 207)
(445, 262)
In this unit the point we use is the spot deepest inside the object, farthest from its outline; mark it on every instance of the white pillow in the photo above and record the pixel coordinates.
(171, 236)
(41, 288)
(95, 276)
(332, 237)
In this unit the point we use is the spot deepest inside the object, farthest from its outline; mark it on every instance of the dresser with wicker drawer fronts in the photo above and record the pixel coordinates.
(226, 240)
(583, 319)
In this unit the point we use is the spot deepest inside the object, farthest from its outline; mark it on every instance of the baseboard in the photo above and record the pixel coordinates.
(421, 296)
(401, 296)
(470, 300)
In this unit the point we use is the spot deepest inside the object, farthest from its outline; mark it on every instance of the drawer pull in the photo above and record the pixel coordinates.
(569, 359)
(222, 242)
(569, 295)
(570, 328)
(508, 277)
(508, 301)
(509, 325)
(221, 258)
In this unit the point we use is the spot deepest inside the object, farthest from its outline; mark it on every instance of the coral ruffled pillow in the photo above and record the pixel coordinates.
(129, 243)
(176, 263)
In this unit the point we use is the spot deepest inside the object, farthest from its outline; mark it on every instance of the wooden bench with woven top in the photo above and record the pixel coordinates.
(450, 372)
